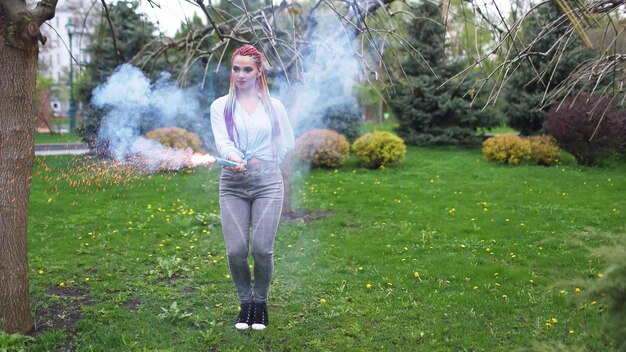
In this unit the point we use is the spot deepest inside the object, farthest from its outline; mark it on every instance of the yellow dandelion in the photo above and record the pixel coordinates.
(322, 301)
(368, 285)
(40, 272)
(554, 320)
(61, 284)
(577, 289)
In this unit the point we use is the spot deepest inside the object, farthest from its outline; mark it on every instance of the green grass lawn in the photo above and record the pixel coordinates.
(444, 252)
(44, 138)
(386, 125)
(500, 130)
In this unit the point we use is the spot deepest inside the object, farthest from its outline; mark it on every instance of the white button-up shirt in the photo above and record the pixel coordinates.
(255, 132)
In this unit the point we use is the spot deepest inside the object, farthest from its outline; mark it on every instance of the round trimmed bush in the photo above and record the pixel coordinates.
(322, 148)
(544, 150)
(176, 137)
(379, 149)
(507, 149)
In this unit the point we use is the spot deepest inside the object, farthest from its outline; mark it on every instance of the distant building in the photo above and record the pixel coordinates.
(54, 56)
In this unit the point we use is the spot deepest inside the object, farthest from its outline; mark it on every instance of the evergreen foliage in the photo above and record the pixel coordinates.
(524, 98)
(342, 116)
(132, 33)
(428, 112)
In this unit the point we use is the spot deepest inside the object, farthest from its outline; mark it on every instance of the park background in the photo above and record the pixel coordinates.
(430, 208)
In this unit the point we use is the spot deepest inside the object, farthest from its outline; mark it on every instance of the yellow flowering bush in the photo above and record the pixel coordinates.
(513, 150)
(544, 150)
(379, 149)
(322, 148)
(507, 149)
(176, 137)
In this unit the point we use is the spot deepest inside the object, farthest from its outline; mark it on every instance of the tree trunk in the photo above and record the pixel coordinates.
(17, 92)
(44, 112)
(19, 47)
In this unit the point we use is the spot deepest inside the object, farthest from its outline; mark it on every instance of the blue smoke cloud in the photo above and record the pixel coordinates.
(137, 106)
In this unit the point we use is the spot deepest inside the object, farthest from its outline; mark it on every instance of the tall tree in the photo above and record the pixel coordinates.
(430, 112)
(19, 47)
(129, 34)
(540, 72)
(113, 44)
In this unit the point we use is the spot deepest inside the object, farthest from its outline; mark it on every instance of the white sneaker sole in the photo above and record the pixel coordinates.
(241, 326)
(258, 326)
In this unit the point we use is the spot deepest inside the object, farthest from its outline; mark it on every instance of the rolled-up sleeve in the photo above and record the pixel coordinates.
(225, 147)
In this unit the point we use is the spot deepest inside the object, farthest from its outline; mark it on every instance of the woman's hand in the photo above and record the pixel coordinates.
(239, 168)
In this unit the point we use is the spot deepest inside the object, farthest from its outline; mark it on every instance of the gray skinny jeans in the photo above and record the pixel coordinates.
(250, 207)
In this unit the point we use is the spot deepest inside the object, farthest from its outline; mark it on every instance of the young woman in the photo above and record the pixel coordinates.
(253, 130)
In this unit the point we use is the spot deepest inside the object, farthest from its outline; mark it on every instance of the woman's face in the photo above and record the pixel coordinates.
(244, 72)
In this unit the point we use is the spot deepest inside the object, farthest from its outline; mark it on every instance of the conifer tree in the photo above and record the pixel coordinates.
(428, 112)
(540, 73)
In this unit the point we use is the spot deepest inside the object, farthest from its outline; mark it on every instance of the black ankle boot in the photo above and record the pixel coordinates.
(246, 316)
(261, 319)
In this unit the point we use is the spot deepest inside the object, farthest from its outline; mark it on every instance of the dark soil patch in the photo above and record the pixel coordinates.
(64, 315)
(132, 304)
(305, 216)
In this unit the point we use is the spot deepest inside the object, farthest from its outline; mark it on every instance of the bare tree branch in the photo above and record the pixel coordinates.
(118, 54)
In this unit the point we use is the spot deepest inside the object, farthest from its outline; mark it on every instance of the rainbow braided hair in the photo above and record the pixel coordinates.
(229, 110)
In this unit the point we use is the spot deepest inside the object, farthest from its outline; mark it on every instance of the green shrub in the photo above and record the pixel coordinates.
(614, 286)
(507, 149)
(609, 287)
(544, 150)
(379, 149)
(322, 148)
(175, 137)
